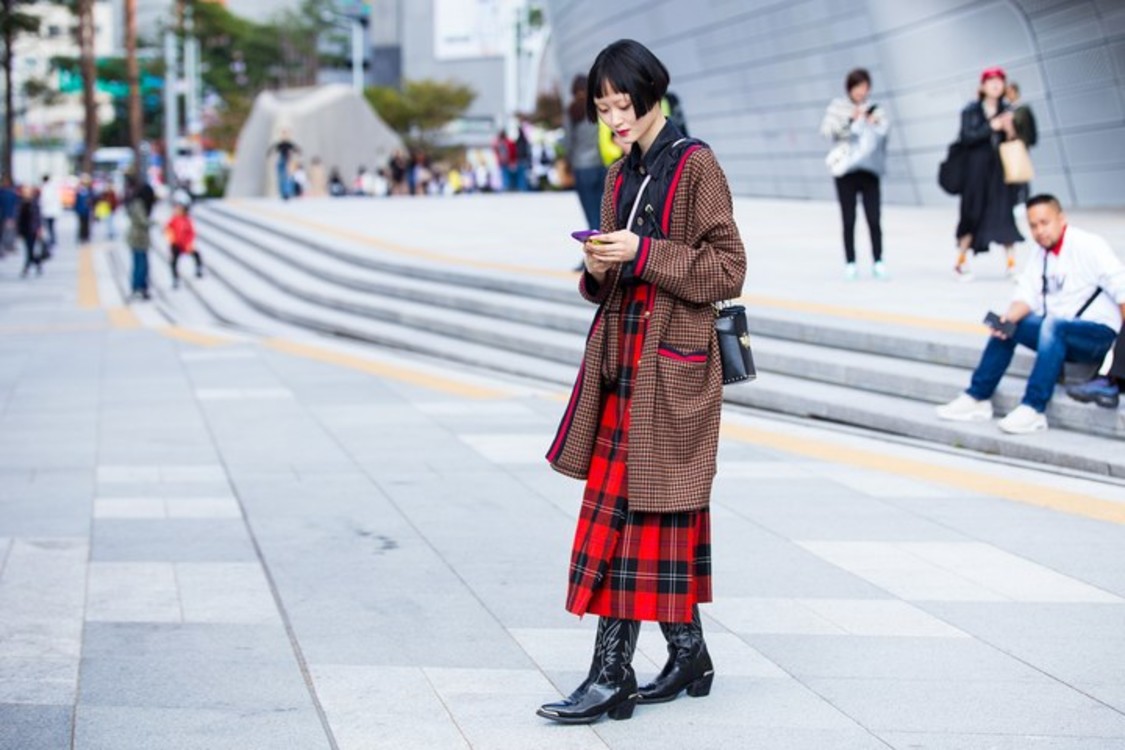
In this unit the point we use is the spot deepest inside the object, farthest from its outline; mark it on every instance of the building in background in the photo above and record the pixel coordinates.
(754, 78)
(473, 43)
(50, 115)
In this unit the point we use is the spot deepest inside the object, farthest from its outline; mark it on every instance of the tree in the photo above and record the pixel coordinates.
(12, 24)
(421, 108)
(240, 58)
(89, 80)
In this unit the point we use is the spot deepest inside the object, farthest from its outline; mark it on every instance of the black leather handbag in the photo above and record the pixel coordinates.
(734, 344)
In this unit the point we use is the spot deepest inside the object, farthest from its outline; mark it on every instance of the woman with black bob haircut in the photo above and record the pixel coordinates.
(642, 424)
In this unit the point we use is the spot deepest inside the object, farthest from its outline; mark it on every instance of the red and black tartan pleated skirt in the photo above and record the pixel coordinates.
(627, 564)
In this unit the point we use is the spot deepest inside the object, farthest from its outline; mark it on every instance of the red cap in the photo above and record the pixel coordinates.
(996, 72)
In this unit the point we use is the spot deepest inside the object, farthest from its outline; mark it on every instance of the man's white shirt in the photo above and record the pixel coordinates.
(1084, 263)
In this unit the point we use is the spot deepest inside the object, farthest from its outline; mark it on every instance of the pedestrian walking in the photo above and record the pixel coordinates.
(9, 208)
(986, 201)
(1068, 307)
(285, 149)
(398, 167)
(508, 160)
(1023, 119)
(106, 210)
(858, 130)
(50, 205)
(139, 205)
(642, 424)
(84, 206)
(29, 225)
(180, 232)
(523, 161)
(582, 155)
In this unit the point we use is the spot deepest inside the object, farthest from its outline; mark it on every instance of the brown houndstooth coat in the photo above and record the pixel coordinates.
(677, 401)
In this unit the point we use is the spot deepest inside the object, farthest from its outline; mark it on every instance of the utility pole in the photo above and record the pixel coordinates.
(191, 76)
(359, 29)
(132, 72)
(171, 105)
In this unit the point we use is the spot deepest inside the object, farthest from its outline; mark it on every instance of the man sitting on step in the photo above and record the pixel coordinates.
(1068, 307)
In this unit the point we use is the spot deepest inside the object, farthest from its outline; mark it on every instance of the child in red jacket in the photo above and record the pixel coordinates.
(181, 236)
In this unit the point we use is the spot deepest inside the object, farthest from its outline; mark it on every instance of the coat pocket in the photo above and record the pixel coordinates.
(680, 354)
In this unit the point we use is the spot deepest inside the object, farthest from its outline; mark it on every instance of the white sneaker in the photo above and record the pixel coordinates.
(850, 272)
(1023, 420)
(965, 408)
(880, 271)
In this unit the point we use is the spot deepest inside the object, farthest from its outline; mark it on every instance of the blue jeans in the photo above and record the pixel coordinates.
(1055, 340)
(283, 184)
(140, 270)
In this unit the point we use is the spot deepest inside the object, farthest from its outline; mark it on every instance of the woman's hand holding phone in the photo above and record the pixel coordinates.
(614, 247)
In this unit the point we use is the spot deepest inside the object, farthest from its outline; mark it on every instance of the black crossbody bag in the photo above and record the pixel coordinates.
(731, 325)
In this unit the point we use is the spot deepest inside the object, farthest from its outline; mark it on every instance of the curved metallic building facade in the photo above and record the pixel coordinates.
(755, 76)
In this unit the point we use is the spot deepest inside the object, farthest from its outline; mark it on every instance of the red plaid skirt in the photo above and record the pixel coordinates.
(625, 564)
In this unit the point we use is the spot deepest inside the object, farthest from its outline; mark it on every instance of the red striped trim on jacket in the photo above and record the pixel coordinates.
(697, 357)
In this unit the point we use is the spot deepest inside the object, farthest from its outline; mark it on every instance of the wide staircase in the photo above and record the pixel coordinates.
(849, 371)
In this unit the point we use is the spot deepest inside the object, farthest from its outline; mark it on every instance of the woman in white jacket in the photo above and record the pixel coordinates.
(858, 130)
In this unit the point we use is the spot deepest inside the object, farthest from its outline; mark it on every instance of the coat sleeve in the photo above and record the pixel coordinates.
(974, 127)
(712, 267)
(588, 287)
(835, 126)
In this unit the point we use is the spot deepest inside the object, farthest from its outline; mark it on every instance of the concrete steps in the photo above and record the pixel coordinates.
(879, 377)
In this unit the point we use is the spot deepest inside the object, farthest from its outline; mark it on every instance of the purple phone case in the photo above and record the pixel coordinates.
(584, 234)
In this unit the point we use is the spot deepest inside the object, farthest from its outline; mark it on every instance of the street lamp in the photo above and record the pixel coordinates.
(357, 13)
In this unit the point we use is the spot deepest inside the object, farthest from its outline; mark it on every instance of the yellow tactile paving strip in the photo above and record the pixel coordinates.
(1072, 503)
(87, 280)
(384, 370)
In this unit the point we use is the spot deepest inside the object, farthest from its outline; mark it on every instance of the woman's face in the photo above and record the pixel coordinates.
(993, 88)
(858, 93)
(616, 110)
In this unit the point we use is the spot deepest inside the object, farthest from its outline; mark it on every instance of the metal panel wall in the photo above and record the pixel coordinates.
(756, 75)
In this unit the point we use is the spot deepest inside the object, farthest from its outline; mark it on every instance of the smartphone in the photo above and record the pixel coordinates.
(584, 234)
(871, 109)
(1006, 327)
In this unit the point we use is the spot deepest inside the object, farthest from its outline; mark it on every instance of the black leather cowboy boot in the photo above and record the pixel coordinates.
(688, 666)
(611, 686)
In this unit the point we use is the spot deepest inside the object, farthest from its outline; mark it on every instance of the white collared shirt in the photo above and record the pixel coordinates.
(1084, 263)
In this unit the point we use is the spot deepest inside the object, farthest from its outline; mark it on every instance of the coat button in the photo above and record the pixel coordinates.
(648, 313)
(640, 221)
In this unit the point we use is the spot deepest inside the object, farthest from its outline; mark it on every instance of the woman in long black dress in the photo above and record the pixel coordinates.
(986, 202)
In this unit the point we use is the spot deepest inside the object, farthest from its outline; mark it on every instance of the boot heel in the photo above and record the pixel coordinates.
(702, 686)
(623, 711)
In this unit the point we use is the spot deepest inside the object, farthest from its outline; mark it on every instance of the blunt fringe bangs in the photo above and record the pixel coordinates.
(629, 68)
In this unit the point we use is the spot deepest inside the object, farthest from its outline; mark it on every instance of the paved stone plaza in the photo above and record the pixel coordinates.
(213, 540)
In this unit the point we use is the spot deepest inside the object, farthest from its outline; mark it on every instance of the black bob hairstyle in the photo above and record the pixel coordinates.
(628, 67)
